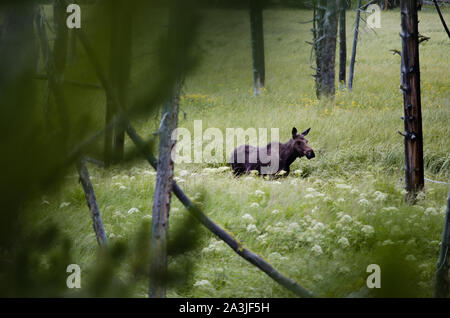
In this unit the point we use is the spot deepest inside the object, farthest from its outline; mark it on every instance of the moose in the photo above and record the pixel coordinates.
(273, 158)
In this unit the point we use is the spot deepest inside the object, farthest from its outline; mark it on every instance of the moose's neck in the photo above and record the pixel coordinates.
(288, 154)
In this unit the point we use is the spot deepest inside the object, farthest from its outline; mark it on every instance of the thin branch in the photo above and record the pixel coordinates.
(441, 17)
(91, 201)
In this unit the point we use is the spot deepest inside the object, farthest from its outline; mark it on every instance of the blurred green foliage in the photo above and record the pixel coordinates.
(41, 124)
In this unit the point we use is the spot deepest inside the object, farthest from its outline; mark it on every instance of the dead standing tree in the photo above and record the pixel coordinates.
(164, 175)
(329, 50)
(342, 42)
(119, 73)
(257, 39)
(325, 33)
(410, 85)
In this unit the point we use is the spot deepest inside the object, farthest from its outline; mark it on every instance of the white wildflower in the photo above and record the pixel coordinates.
(387, 242)
(318, 227)
(259, 193)
(431, 211)
(340, 200)
(203, 284)
(251, 228)
(223, 169)
(254, 205)
(346, 218)
(343, 241)
(184, 173)
(133, 210)
(248, 218)
(64, 204)
(367, 229)
(298, 172)
(275, 212)
(317, 250)
(390, 209)
(380, 196)
(364, 202)
(343, 186)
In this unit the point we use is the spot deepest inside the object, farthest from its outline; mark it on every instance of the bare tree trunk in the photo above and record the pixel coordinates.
(355, 42)
(91, 201)
(342, 43)
(119, 74)
(162, 197)
(318, 43)
(329, 50)
(123, 65)
(410, 84)
(257, 36)
(442, 288)
(164, 174)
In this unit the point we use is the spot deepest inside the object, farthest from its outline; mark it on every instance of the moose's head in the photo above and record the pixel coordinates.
(301, 146)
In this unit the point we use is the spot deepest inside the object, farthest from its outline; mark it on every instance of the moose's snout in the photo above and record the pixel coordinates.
(310, 154)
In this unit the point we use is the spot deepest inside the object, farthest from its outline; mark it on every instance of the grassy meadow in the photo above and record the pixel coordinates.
(333, 215)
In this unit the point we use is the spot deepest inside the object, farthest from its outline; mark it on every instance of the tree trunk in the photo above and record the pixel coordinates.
(318, 43)
(410, 85)
(162, 197)
(119, 76)
(342, 43)
(355, 42)
(329, 50)
(123, 65)
(442, 288)
(164, 174)
(91, 201)
(257, 36)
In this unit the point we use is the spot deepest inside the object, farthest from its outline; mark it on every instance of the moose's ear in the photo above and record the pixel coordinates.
(306, 132)
(294, 132)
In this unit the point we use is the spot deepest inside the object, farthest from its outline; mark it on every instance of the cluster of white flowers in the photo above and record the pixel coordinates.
(254, 205)
(364, 202)
(316, 249)
(203, 284)
(367, 229)
(178, 180)
(343, 241)
(64, 204)
(259, 193)
(379, 196)
(251, 228)
(248, 218)
(343, 186)
(215, 246)
(313, 193)
(431, 211)
(390, 209)
(133, 210)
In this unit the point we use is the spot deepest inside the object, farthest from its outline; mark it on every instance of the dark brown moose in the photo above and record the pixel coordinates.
(273, 158)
